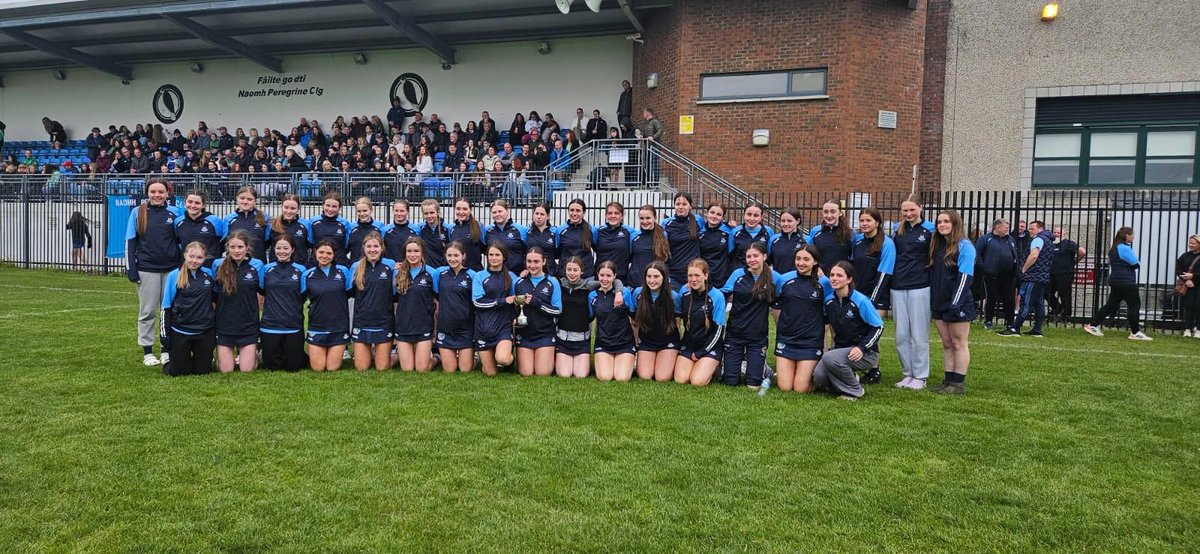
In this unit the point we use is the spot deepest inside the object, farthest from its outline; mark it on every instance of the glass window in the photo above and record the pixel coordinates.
(808, 82)
(1056, 172)
(1111, 172)
(1165, 171)
(1171, 143)
(1114, 144)
(775, 84)
(1057, 145)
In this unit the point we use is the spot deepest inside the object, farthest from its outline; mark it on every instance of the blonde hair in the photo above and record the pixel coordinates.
(360, 273)
(185, 277)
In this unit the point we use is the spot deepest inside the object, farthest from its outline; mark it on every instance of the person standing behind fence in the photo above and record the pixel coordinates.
(151, 252)
(1067, 255)
(874, 262)
(188, 315)
(1035, 275)
(1122, 282)
(997, 252)
(910, 294)
(952, 267)
(247, 217)
(833, 237)
(625, 109)
(81, 236)
(1185, 272)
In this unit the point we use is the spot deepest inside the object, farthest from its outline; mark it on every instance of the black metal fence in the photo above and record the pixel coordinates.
(35, 213)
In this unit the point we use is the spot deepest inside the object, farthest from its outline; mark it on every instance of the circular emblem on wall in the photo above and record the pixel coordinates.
(168, 104)
(412, 91)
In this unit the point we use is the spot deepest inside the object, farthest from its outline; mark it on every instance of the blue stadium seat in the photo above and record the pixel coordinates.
(429, 187)
(446, 188)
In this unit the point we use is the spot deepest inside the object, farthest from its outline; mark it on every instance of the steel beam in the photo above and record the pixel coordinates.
(228, 44)
(81, 58)
(411, 30)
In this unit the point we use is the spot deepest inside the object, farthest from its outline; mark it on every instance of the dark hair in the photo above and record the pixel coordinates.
(842, 235)
(225, 273)
(693, 227)
(877, 242)
(1120, 237)
(659, 244)
(586, 237)
(848, 268)
(472, 223)
(950, 243)
(702, 265)
(795, 213)
(572, 260)
(327, 241)
(538, 250)
(277, 225)
(658, 314)
(814, 274)
(503, 258)
(764, 287)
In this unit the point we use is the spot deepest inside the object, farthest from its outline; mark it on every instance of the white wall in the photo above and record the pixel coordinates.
(502, 78)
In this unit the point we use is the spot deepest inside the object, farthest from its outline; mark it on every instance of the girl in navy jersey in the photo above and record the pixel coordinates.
(281, 330)
(788, 241)
(657, 307)
(455, 313)
(151, 252)
(541, 299)
(910, 294)
(874, 260)
(416, 303)
(511, 235)
(466, 231)
(543, 235)
(288, 224)
(331, 225)
(750, 231)
(833, 237)
(198, 225)
(683, 234)
(575, 238)
(952, 267)
(494, 297)
(237, 304)
(649, 245)
(856, 330)
(397, 233)
(572, 344)
(716, 242)
(364, 224)
(750, 291)
(799, 312)
(703, 312)
(374, 295)
(250, 219)
(613, 240)
(188, 314)
(434, 233)
(614, 347)
(327, 288)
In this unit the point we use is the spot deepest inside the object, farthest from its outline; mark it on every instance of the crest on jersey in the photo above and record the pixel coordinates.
(921, 238)
(849, 313)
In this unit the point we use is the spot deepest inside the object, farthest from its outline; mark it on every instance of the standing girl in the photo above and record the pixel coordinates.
(856, 330)
(952, 267)
(613, 241)
(237, 304)
(397, 233)
(331, 225)
(785, 244)
(874, 260)
(328, 288)
(188, 314)
(833, 237)
(543, 235)
(657, 331)
(1122, 282)
(198, 225)
(288, 224)
(282, 328)
(750, 231)
(575, 239)
(910, 294)
(364, 224)
(614, 347)
(374, 294)
(683, 235)
(703, 311)
(416, 303)
(151, 252)
(750, 290)
(800, 320)
(716, 243)
(247, 217)
(80, 236)
(455, 313)
(541, 300)
(465, 230)
(512, 236)
(433, 233)
(493, 295)
(649, 245)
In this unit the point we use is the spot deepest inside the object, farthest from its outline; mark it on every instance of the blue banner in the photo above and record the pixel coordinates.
(120, 209)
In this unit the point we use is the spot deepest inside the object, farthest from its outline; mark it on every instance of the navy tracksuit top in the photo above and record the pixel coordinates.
(950, 287)
(801, 305)
(158, 248)
(547, 240)
(613, 244)
(571, 243)
(460, 231)
(748, 316)
(783, 248)
(394, 237)
(1122, 265)
(456, 312)
(873, 272)
(207, 229)
(545, 307)
(298, 230)
(641, 253)
(435, 240)
(715, 244)
(283, 302)
(328, 290)
(337, 229)
(613, 328)
(825, 239)
(743, 236)
(512, 236)
(358, 232)
(191, 309)
(684, 248)
(912, 256)
(488, 293)
(703, 318)
(249, 222)
(854, 321)
(237, 313)
(373, 301)
(415, 307)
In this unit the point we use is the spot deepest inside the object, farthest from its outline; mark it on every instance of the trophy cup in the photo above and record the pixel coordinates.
(522, 320)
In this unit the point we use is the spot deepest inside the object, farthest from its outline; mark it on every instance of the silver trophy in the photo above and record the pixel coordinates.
(522, 320)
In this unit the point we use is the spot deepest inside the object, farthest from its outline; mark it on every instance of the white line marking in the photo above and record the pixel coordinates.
(68, 289)
(1024, 344)
(72, 310)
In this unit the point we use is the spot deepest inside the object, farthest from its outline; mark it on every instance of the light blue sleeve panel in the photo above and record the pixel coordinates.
(628, 298)
(304, 279)
(523, 231)
(929, 226)
(677, 299)
(169, 288)
(1037, 243)
(966, 257)
(719, 316)
(512, 278)
(812, 233)
(349, 280)
(262, 275)
(216, 264)
(591, 298)
(887, 256)
(867, 310)
(131, 226)
(727, 288)
(1125, 252)
(826, 287)
(555, 306)
(784, 278)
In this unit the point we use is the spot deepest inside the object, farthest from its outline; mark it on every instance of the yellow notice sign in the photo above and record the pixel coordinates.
(687, 124)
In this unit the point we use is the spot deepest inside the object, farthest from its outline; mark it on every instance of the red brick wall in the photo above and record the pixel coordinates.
(873, 49)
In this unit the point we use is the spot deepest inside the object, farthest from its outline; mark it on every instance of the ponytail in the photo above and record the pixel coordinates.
(277, 225)
(764, 289)
(586, 238)
(185, 277)
(226, 274)
(404, 271)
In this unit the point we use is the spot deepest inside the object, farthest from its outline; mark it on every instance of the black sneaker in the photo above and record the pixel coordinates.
(1007, 332)
(1033, 333)
(871, 376)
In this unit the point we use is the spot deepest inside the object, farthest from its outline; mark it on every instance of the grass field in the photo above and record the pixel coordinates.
(1066, 443)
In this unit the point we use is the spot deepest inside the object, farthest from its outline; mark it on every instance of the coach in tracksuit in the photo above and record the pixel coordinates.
(998, 252)
(151, 252)
(1035, 276)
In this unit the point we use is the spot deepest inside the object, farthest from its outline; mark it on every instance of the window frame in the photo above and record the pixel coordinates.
(1140, 157)
(789, 95)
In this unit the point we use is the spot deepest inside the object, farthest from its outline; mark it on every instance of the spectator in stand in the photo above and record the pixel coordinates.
(518, 186)
(2, 128)
(491, 159)
(95, 142)
(103, 162)
(54, 129)
(625, 109)
(484, 117)
(550, 128)
(224, 139)
(558, 157)
(579, 123)
(424, 161)
(507, 155)
(488, 133)
(597, 128)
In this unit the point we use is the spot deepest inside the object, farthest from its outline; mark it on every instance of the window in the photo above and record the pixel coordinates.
(1116, 157)
(776, 85)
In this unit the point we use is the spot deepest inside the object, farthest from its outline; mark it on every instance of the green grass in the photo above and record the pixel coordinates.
(1067, 443)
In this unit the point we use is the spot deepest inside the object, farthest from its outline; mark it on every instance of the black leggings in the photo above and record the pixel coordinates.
(191, 354)
(1190, 304)
(283, 351)
(1133, 306)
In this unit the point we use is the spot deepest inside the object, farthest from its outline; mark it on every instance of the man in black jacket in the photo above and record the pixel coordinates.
(597, 127)
(998, 254)
(625, 109)
(1067, 255)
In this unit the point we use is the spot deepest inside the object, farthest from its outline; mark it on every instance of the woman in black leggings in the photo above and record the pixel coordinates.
(1186, 268)
(1122, 282)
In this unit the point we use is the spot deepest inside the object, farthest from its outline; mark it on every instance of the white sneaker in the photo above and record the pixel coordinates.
(165, 358)
(916, 384)
(903, 384)
(1093, 330)
(149, 360)
(1139, 336)
(1187, 333)
(1196, 333)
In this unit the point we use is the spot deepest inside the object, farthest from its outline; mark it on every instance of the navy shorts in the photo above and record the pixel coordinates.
(657, 343)
(327, 339)
(967, 313)
(414, 339)
(573, 347)
(534, 342)
(76, 245)
(455, 341)
(715, 353)
(370, 336)
(488, 342)
(797, 353)
(236, 341)
(615, 349)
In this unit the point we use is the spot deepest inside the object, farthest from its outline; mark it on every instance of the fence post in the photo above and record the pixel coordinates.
(27, 215)
(104, 230)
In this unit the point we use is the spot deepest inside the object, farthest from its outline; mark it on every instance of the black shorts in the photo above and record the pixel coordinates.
(489, 341)
(715, 353)
(657, 343)
(535, 342)
(414, 339)
(967, 313)
(615, 349)
(455, 341)
(236, 341)
(371, 336)
(573, 347)
(798, 353)
(327, 339)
